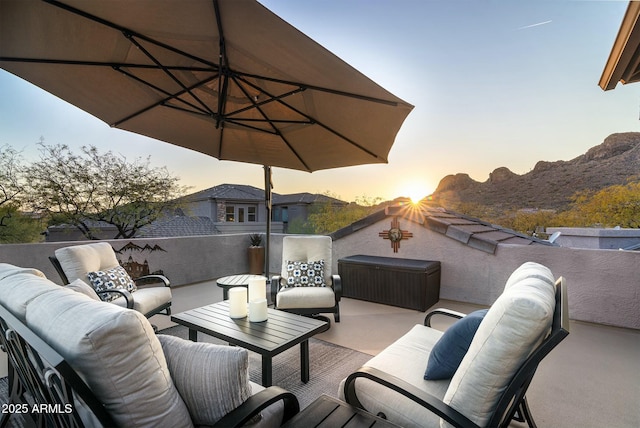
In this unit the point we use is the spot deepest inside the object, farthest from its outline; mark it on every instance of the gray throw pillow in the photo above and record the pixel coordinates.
(212, 379)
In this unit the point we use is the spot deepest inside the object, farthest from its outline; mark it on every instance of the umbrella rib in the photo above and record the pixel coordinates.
(316, 122)
(103, 64)
(163, 101)
(319, 88)
(132, 39)
(125, 30)
(169, 94)
(273, 126)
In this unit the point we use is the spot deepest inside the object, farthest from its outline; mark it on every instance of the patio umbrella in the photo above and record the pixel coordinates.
(227, 78)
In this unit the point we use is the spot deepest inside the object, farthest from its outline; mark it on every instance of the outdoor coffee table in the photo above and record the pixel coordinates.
(278, 333)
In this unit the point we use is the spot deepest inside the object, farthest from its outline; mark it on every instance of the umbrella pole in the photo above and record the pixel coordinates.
(267, 202)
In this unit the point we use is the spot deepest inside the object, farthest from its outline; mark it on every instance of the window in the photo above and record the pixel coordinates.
(230, 213)
(251, 214)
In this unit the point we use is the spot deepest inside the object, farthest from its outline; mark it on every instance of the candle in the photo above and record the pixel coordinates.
(258, 310)
(238, 302)
(257, 289)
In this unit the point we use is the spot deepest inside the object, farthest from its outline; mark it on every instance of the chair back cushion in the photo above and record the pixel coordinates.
(117, 353)
(514, 325)
(530, 270)
(307, 248)
(77, 261)
(19, 286)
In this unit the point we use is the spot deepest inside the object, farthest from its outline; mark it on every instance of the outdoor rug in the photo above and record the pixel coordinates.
(328, 365)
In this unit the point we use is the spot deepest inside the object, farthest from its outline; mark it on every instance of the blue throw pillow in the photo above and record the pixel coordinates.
(448, 352)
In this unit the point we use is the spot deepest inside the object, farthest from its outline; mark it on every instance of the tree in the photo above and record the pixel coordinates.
(617, 205)
(15, 226)
(83, 189)
(327, 218)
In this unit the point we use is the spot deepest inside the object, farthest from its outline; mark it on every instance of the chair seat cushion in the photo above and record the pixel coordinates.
(406, 358)
(147, 299)
(447, 354)
(117, 353)
(305, 297)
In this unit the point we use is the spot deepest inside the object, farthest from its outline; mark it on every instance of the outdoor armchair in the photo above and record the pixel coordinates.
(306, 285)
(96, 265)
(488, 384)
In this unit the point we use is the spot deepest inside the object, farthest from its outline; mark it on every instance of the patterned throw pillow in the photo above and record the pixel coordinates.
(110, 279)
(305, 274)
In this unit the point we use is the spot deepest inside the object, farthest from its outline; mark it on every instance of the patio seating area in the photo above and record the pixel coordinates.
(589, 380)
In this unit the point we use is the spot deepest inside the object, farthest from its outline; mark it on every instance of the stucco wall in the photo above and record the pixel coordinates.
(603, 285)
(183, 260)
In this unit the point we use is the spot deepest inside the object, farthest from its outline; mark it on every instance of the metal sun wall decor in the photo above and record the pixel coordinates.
(395, 234)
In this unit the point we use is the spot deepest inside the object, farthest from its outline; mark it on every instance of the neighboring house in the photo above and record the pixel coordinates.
(68, 232)
(241, 208)
(297, 206)
(226, 208)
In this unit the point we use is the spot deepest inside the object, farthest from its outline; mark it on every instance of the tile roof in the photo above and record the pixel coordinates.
(470, 231)
(230, 191)
(305, 198)
(178, 225)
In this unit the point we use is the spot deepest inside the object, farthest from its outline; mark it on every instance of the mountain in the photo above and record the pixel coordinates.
(549, 185)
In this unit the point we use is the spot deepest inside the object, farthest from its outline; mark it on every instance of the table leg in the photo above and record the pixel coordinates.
(225, 293)
(193, 335)
(304, 361)
(267, 378)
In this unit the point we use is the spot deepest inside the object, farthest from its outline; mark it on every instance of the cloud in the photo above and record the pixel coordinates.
(535, 25)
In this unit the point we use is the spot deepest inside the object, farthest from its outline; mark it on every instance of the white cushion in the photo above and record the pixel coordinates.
(305, 248)
(79, 260)
(19, 287)
(406, 358)
(305, 297)
(515, 324)
(7, 270)
(117, 353)
(530, 270)
(81, 287)
(212, 379)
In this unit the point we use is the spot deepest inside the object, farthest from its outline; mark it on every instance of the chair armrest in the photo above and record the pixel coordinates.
(442, 311)
(275, 287)
(258, 402)
(127, 296)
(148, 279)
(422, 398)
(337, 286)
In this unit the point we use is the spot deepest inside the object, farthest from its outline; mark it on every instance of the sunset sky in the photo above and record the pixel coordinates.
(494, 84)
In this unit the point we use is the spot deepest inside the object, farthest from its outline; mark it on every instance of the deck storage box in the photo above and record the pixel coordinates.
(407, 283)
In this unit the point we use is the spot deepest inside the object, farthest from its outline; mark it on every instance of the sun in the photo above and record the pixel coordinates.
(416, 192)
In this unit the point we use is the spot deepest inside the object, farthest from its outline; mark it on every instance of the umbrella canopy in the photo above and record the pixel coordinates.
(227, 78)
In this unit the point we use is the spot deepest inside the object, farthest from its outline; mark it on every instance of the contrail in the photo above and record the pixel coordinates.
(534, 25)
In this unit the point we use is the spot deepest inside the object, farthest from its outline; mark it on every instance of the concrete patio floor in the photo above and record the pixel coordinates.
(592, 379)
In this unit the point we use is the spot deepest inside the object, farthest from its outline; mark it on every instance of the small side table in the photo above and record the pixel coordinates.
(328, 412)
(231, 281)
